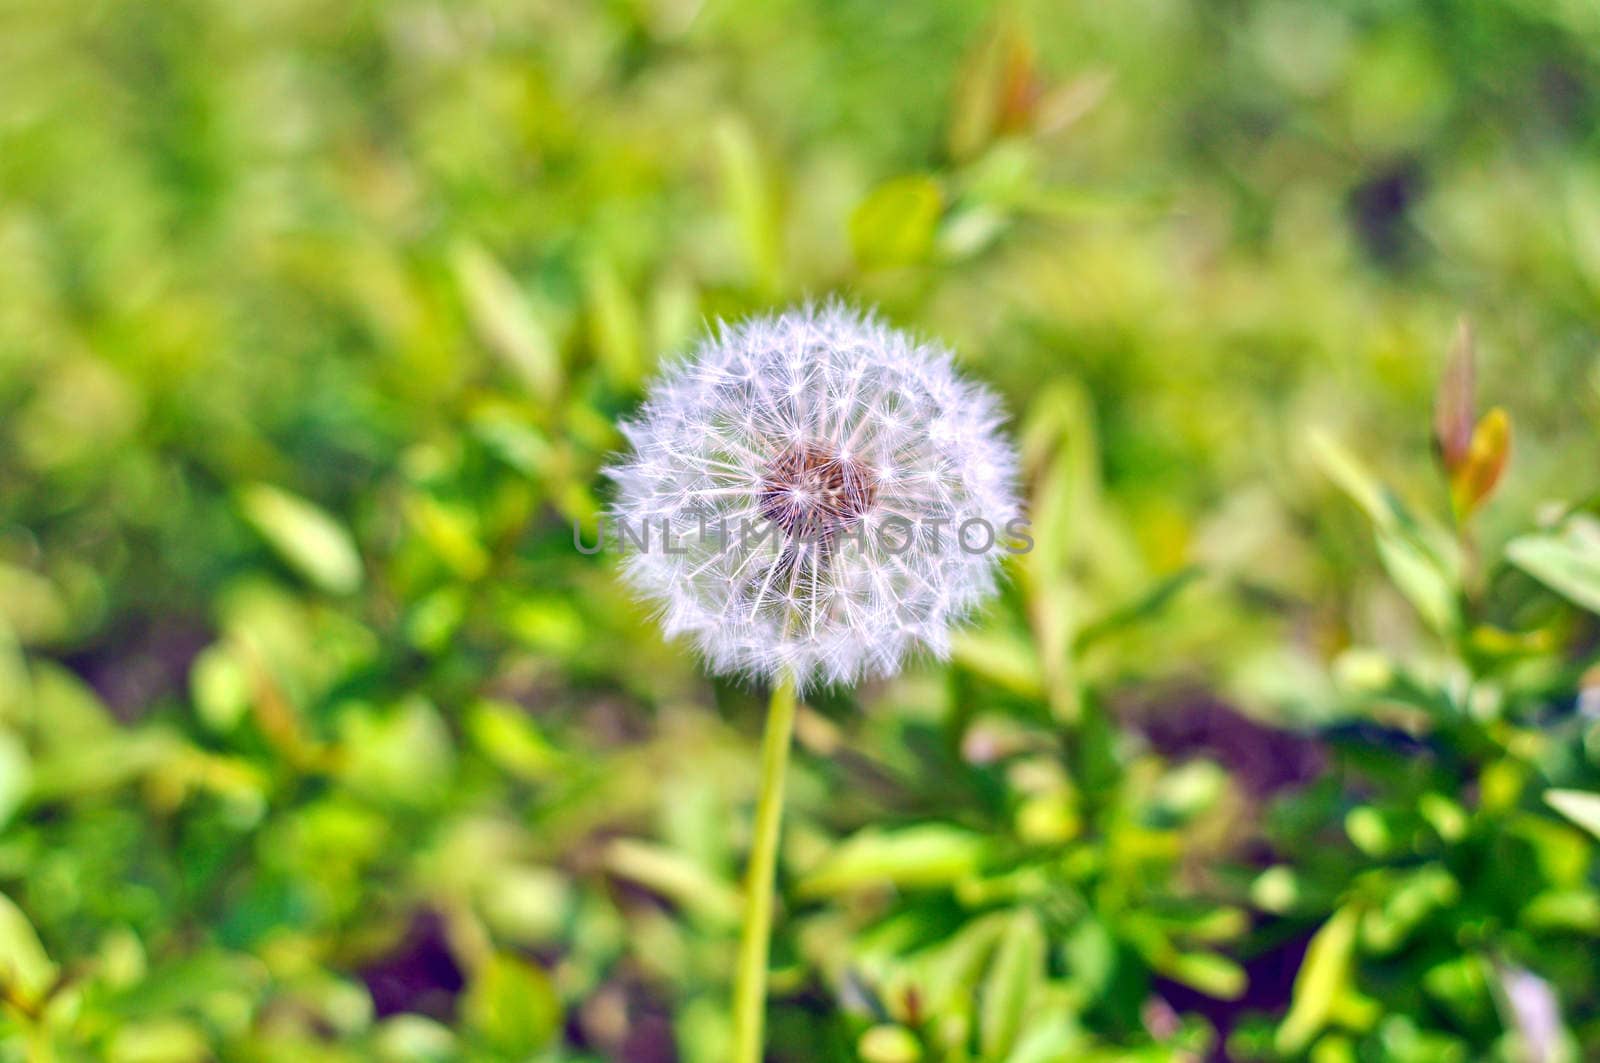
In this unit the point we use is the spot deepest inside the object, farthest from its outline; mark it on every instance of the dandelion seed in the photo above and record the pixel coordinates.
(833, 433)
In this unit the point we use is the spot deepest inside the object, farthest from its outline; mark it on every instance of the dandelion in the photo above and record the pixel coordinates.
(828, 495)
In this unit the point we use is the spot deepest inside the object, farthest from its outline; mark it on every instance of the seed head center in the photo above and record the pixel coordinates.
(812, 492)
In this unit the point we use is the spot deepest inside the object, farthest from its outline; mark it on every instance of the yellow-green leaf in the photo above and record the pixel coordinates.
(1324, 976)
(675, 877)
(1567, 563)
(929, 854)
(615, 331)
(1212, 974)
(306, 537)
(1577, 805)
(1018, 967)
(888, 1043)
(505, 322)
(751, 201)
(512, 1007)
(894, 226)
(24, 966)
(1425, 583)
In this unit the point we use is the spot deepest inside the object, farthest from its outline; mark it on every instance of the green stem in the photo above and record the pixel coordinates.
(750, 982)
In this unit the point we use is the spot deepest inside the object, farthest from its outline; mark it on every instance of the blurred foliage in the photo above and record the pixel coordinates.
(319, 740)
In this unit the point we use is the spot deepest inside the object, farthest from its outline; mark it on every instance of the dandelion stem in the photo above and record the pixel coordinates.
(750, 980)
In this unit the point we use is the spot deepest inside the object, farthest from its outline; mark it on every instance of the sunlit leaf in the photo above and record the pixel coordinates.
(451, 531)
(31, 605)
(1017, 970)
(414, 1039)
(955, 967)
(677, 878)
(894, 226)
(16, 693)
(16, 774)
(1003, 658)
(220, 686)
(1212, 974)
(402, 754)
(506, 322)
(511, 1005)
(1353, 477)
(615, 331)
(304, 536)
(167, 1040)
(24, 967)
(1324, 976)
(751, 201)
(888, 1043)
(505, 734)
(1577, 805)
(927, 854)
(1420, 577)
(1568, 563)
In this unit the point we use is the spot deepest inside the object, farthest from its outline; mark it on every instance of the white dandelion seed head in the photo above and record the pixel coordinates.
(815, 469)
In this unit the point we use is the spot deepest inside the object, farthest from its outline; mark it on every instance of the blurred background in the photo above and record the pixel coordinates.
(320, 741)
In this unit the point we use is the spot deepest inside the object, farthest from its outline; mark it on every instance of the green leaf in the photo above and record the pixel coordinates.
(103, 764)
(504, 733)
(1412, 898)
(219, 685)
(751, 201)
(25, 969)
(525, 905)
(677, 878)
(409, 1038)
(307, 538)
(16, 773)
(1050, 1038)
(1354, 478)
(404, 754)
(894, 226)
(1568, 563)
(1018, 967)
(32, 606)
(162, 1040)
(67, 713)
(1324, 976)
(506, 323)
(1422, 579)
(1418, 556)
(615, 332)
(953, 969)
(512, 1007)
(929, 854)
(888, 1043)
(1277, 889)
(1141, 609)
(1091, 954)
(451, 532)
(1212, 974)
(16, 692)
(1006, 658)
(1580, 807)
